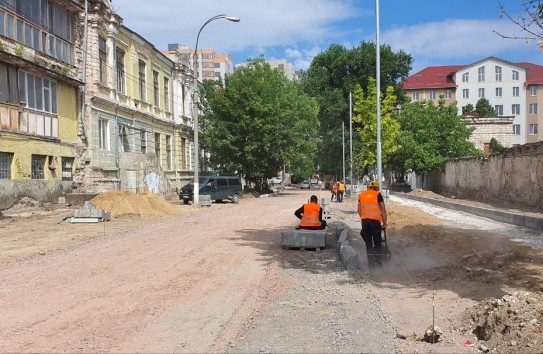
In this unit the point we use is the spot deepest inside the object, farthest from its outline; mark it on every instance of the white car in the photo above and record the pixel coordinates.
(275, 180)
(305, 185)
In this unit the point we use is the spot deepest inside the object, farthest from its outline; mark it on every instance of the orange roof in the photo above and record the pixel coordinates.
(435, 77)
(432, 77)
(534, 73)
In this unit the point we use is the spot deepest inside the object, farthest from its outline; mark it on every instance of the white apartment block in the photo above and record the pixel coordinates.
(502, 84)
(513, 89)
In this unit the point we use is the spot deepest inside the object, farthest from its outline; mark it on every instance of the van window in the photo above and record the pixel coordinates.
(233, 181)
(221, 182)
(211, 182)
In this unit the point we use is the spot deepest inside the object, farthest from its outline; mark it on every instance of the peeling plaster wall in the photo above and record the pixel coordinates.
(44, 191)
(514, 176)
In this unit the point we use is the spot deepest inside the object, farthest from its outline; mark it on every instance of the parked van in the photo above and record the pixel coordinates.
(218, 187)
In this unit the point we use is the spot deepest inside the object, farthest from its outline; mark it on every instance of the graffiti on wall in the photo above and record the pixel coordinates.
(153, 183)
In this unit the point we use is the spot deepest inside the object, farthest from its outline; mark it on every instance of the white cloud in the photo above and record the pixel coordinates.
(263, 23)
(463, 40)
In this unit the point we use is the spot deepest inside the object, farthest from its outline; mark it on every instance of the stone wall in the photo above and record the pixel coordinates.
(487, 128)
(515, 176)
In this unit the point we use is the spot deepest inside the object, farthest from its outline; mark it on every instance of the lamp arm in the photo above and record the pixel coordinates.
(205, 24)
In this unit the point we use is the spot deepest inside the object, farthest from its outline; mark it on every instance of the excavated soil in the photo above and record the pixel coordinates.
(166, 277)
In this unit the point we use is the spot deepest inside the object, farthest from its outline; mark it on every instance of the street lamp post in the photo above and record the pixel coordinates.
(378, 84)
(196, 194)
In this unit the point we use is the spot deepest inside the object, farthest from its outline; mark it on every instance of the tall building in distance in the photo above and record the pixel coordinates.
(513, 89)
(212, 65)
(282, 65)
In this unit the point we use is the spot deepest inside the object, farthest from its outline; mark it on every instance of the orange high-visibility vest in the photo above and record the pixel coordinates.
(370, 206)
(334, 188)
(310, 217)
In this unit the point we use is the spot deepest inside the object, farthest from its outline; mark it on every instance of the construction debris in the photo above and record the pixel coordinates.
(89, 214)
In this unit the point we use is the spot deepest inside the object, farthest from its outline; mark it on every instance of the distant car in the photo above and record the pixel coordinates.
(275, 180)
(305, 185)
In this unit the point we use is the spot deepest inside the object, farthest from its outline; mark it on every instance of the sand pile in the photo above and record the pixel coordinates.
(123, 203)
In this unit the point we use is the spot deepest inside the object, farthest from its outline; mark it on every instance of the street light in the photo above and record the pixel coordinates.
(196, 197)
(378, 82)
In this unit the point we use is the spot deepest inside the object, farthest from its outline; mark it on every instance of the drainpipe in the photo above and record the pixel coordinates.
(117, 147)
(84, 72)
(175, 155)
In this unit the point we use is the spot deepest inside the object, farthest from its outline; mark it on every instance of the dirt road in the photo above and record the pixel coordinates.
(216, 280)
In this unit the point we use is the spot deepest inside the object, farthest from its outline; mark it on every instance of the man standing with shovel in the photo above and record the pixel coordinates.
(372, 211)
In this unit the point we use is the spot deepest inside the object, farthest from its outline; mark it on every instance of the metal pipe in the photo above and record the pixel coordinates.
(84, 71)
(351, 139)
(196, 195)
(378, 80)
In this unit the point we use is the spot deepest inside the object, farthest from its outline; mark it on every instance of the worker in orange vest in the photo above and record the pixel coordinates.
(340, 191)
(372, 211)
(333, 188)
(310, 215)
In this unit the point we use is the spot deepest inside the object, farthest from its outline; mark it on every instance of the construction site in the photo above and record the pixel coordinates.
(160, 276)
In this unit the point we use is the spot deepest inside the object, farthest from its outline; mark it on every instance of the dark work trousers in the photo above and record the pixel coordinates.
(339, 196)
(371, 234)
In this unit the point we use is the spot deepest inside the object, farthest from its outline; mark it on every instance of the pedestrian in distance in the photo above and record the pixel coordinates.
(333, 189)
(310, 215)
(340, 191)
(372, 211)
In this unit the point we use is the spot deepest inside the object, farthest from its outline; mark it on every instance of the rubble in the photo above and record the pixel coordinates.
(511, 324)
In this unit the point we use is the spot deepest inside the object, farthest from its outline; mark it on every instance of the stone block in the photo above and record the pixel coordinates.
(342, 238)
(303, 238)
(205, 200)
(349, 257)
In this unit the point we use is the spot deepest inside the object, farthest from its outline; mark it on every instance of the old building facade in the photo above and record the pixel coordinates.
(40, 71)
(134, 140)
(87, 105)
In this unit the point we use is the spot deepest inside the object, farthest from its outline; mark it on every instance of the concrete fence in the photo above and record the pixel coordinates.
(515, 176)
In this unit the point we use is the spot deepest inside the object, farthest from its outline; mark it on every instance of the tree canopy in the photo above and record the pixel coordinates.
(366, 115)
(259, 122)
(430, 134)
(330, 78)
(484, 108)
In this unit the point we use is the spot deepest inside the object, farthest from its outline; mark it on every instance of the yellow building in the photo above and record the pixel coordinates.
(39, 105)
(134, 140)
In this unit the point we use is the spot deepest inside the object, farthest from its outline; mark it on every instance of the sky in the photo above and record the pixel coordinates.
(433, 32)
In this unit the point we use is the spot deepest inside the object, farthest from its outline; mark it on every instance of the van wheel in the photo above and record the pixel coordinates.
(235, 198)
(185, 201)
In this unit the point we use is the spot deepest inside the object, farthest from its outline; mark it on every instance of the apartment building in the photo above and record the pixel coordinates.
(135, 141)
(40, 81)
(212, 65)
(282, 65)
(511, 88)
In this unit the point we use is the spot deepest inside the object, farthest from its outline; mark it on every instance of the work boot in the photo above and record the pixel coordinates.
(378, 259)
(371, 258)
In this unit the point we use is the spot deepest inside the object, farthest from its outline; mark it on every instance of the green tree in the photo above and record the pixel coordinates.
(259, 122)
(484, 108)
(365, 114)
(430, 134)
(468, 108)
(330, 78)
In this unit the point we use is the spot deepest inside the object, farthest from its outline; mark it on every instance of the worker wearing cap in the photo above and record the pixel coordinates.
(310, 215)
(372, 211)
(340, 191)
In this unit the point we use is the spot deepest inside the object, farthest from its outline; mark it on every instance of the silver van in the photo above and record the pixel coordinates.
(218, 187)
